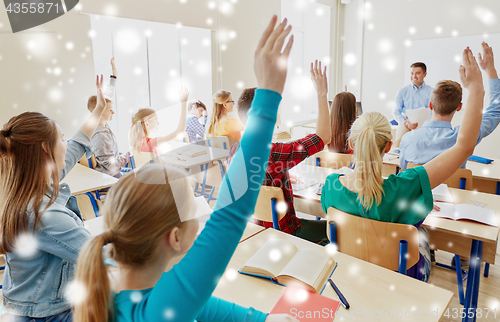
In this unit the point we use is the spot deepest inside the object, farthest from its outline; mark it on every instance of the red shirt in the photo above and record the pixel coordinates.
(149, 145)
(285, 156)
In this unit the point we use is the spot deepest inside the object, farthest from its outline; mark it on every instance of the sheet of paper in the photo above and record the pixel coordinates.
(442, 193)
(419, 115)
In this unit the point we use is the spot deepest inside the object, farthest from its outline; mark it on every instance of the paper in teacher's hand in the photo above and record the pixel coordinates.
(419, 115)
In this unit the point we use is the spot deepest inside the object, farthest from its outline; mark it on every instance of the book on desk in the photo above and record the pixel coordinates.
(284, 263)
(467, 212)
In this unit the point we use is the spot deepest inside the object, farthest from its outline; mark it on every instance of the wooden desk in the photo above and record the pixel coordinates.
(82, 179)
(306, 200)
(367, 287)
(486, 176)
(172, 156)
(456, 236)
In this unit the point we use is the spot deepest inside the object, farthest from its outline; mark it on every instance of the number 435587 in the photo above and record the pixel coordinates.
(479, 313)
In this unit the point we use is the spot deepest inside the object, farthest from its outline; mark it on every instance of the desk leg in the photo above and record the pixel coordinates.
(204, 180)
(472, 292)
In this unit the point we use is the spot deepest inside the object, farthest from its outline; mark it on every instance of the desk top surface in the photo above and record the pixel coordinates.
(171, 154)
(83, 179)
(366, 287)
(471, 229)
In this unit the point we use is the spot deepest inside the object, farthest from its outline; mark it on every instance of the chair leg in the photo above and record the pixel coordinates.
(403, 251)
(486, 269)
(94, 203)
(275, 214)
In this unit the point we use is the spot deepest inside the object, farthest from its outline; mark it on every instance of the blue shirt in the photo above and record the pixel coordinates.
(411, 97)
(422, 145)
(195, 129)
(184, 292)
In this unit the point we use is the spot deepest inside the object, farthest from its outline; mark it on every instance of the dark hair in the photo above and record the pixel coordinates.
(244, 103)
(27, 144)
(446, 97)
(198, 103)
(421, 65)
(342, 115)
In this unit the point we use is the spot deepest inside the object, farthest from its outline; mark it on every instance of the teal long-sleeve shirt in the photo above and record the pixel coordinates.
(184, 292)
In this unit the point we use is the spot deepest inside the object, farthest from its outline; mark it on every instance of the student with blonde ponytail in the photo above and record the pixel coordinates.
(148, 220)
(220, 124)
(40, 235)
(145, 124)
(407, 197)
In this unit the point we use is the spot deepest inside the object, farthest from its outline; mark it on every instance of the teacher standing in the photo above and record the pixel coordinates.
(415, 95)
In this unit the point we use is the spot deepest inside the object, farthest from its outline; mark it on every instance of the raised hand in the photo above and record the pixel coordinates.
(100, 97)
(319, 79)
(183, 94)
(270, 64)
(470, 74)
(113, 66)
(486, 61)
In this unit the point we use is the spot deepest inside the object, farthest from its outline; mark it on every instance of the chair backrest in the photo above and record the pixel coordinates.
(220, 142)
(374, 241)
(89, 163)
(182, 137)
(263, 209)
(456, 178)
(331, 160)
(141, 158)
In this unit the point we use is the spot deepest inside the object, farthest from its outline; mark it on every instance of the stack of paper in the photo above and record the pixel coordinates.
(418, 115)
(442, 193)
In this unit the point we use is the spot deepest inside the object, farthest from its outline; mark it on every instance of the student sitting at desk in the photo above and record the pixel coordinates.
(41, 236)
(109, 160)
(195, 123)
(437, 135)
(285, 156)
(149, 220)
(342, 114)
(220, 124)
(405, 198)
(145, 124)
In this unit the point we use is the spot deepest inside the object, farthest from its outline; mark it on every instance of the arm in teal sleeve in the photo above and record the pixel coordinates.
(186, 288)
(217, 310)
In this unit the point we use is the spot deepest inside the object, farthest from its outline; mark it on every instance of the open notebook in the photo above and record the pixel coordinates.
(442, 193)
(282, 262)
(465, 211)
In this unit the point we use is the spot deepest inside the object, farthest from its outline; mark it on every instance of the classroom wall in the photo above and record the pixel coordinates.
(386, 28)
(40, 74)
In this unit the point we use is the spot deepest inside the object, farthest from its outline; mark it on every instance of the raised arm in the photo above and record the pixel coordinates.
(323, 129)
(90, 124)
(183, 97)
(197, 274)
(442, 167)
(491, 115)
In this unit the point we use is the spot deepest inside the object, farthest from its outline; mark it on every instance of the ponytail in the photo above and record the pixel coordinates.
(219, 98)
(92, 272)
(370, 134)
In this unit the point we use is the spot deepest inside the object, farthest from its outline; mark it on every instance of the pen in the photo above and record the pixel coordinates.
(341, 296)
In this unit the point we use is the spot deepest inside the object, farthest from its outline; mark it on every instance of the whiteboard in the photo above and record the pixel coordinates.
(443, 57)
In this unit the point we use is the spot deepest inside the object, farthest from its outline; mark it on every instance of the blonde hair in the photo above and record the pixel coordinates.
(370, 134)
(138, 130)
(219, 98)
(139, 210)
